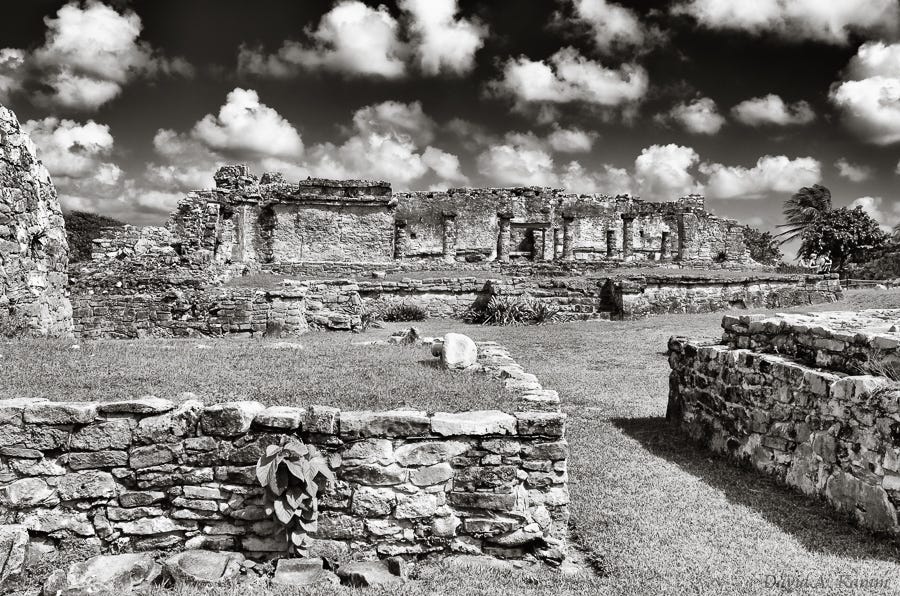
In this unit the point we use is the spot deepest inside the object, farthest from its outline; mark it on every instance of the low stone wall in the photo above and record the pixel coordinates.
(147, 474)
(640, 296)
(187, 312)
(819, 431)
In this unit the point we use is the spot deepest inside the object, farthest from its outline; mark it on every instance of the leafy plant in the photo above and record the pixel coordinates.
(763, 246)
(509, 310)
(842, 234)
(293, 474)
(404, 312)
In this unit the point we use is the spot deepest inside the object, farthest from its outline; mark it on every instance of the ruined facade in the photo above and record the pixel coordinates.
(34, 253)
(259, 221)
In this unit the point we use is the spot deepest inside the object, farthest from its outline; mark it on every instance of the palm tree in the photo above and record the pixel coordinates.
(803, 208)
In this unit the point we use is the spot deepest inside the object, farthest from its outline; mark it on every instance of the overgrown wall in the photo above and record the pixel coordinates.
(822, 432)
(34, 253)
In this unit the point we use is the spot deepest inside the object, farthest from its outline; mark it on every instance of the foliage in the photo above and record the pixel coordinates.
(293, 475)
(883, 263)
(842, 234)
(81, 229)
(509, 310)
(367, 319)
(802, 209)
(763, 246)
(403, 312)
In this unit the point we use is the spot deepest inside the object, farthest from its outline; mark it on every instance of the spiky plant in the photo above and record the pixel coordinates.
(803, 208)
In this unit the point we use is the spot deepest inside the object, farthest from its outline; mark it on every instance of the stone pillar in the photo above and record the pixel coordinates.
(449, 237)
(627, 220)
(557, 243)
(548, 244)
(537, 249)
(503, 238)
(401, 239)
(568, 244)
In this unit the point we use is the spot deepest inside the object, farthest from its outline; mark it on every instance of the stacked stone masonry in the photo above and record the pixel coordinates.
(34, 253)
(787, 394)
(150, 474)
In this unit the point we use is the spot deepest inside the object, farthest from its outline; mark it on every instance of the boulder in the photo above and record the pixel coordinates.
(458, 351)
(203, 566)
(105, 574)
(364, 574)
(302, 572)
(13, 547)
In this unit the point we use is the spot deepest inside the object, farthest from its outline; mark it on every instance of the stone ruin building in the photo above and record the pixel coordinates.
(34, 254)
(262, 221)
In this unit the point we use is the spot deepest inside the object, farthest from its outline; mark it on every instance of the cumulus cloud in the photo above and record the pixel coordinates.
(869, 95)
(770, 174)
(852, 172)
(828, 21)
(567, 76)
(352, 38)
(571, 140)
(886, 215)
(74, 151)
(442, 42)
(246, 128)
(772, 110)
(700, 116)
(607, 180)
(445, 165)
(394, 116)
(520, 161)
(90, 53)
(663, 172)
(612, 27)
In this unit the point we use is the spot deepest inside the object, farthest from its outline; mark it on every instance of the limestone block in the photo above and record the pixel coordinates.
(142, 405)
(302, 572)
(13, 548)
(106, 574)
(203, 566)
(281, 417)
(429, 453)
(111, 434)
(393, 423)
(27, 492)
(49, 412)
(89, 484)
(477, 422)
(230, 418)
(552, 424)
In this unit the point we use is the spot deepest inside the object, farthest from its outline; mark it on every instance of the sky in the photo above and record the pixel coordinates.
(131, 104)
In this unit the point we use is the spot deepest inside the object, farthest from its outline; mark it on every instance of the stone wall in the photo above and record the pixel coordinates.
(816, 429)
(34, 253)
(241, 312)
(151, 474)
(646, 295)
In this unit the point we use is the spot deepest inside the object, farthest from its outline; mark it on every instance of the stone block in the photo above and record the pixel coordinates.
(13, 548)
(281, 417)
(429, 452)
(394, 423)
(550, 424)
(477, 422)
(49, 412)
(146, 405)
(230, 418)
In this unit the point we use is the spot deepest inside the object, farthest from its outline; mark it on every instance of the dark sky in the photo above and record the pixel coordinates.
(95, 84)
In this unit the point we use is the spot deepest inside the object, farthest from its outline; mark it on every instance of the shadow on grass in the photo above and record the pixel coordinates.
(811, 521)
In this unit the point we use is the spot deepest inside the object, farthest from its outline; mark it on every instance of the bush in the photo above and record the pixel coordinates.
(763, 246)
(402, 313)
(509, 310)
(81, 229)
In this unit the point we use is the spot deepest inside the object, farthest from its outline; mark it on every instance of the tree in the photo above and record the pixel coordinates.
(81, 229)
(842, 234)
(802, 209)
(763, 246)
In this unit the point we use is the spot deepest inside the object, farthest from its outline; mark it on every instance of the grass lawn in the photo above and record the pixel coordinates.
(328, 370)
(657, 514)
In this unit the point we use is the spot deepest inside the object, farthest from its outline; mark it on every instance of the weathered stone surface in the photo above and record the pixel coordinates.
(26, 492)
(88, 484)
(415, 506)
(491, 501)
(34, 251)
(365, 574)
(374, 475)
(550, 424)
(479, 422)
(150, 526)
(49, 412)
(230, 418)
(170, 426)
(111, 434)
(282, 417)
(105, 574)
(394, 423)
(203, 566)
(458, 351)
(55, 520)
(429, 453)
(142, 405)
(869, 504)
(373, 451)
(97, 459)
(13, 548)
(321, 419)
(302, 572)
(149, 456)
(369, 501)
(431, 475)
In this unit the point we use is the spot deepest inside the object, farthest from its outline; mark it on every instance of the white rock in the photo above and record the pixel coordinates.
(459, 351)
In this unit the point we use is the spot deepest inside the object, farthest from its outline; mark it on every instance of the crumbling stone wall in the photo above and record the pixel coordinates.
(147, 473)
(34, 253)
(816, 429)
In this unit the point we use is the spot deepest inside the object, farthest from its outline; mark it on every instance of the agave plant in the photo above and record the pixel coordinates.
(293, 474)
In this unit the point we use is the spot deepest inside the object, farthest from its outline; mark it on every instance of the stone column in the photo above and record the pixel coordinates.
(557, 243)
(449, 244)
(537, 249)
(626, 236)
(568, 243)
(401, 239)
(503, 238)
(549, 241)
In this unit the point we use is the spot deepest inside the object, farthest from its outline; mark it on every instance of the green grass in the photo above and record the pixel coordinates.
(329, 369)
(661, 515)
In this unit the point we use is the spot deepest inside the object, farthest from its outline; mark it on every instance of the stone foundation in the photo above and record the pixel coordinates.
(148, 474)
(815, 428)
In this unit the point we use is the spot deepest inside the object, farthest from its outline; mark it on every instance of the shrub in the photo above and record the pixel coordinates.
(81, 229)
(509, 310)
(763, 246)
(292, 475)
(403, 312)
